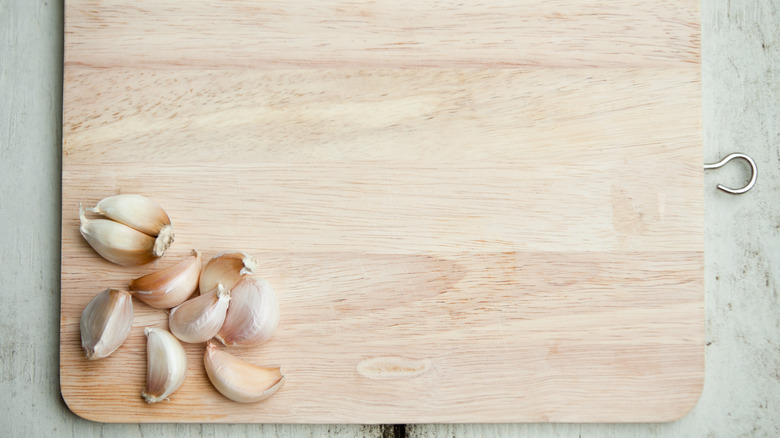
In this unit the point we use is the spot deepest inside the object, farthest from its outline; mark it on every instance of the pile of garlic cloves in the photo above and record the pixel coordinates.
(232, 306)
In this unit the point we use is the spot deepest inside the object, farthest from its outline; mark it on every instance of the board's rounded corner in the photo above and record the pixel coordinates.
(71, 408)
(690, 404)
(83, 414)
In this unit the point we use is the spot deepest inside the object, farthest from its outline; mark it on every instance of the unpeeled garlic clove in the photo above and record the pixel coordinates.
(238, 379)
(166, 365)
(171, 286)
(135, 211)
(106, 323)
(199, 319)
(253, 314)
(226, 268)
(117, 243)
(136, 232)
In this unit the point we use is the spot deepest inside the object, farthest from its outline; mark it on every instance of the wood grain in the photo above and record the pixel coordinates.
(420, 115)
(407, 33)
(511, 230)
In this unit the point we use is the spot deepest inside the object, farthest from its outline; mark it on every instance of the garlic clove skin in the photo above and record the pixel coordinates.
(226, 268)
(166, 365)
(135, 211)
(253, 314)
(199, 319)
(106, 323)
(117, 243)
(238, 379)
(163, 241)
(171, 286)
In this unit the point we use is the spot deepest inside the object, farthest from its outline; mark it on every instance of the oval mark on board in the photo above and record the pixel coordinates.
(392, 367)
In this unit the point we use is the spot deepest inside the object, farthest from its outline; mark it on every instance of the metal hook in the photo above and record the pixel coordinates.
(753, 175)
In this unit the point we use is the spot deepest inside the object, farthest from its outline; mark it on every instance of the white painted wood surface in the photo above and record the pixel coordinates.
(741, 395)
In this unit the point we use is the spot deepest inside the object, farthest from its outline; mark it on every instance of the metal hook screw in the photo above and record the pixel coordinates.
(753, 175)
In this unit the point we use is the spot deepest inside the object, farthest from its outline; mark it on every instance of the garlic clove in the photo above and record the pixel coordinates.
(106, 323)
(166, 365)
(117, 243)
(199, 319)
(226, 268)
(171, 286)
(238, 379)
(135, 211)
(253, 314)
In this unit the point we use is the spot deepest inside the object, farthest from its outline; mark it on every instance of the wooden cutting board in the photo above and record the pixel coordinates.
(471, 211)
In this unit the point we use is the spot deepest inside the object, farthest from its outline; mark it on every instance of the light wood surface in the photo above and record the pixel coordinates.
(470, 212)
